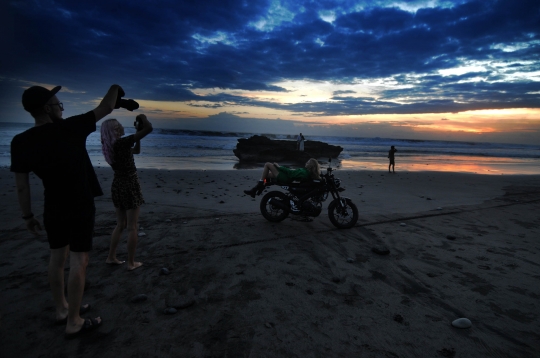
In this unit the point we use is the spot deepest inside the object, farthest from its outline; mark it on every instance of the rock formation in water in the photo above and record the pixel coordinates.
(262, 149)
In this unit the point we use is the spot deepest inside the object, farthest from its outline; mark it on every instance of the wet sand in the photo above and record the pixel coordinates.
(461, 245)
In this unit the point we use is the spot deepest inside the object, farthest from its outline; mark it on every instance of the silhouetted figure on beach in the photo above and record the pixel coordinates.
(300, 142)
(126, 189)
(55, 150)
(392, 164)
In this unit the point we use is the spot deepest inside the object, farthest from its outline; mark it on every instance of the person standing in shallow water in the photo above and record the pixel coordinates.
(126, 189)
(300, 142)
(392, 159)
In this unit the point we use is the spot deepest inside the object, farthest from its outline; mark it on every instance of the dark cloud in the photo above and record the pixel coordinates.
(337, 93)
(169, 93)
(162, 50)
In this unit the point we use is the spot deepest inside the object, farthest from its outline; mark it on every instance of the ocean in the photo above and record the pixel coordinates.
(187, 149)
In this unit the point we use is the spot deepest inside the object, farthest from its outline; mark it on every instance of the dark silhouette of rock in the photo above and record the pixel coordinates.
(262, 149)
(170, 310)
(380, 250)
(139, 298)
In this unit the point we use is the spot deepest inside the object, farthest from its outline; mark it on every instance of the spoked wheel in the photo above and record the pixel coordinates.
(275, 206)
(343, 216)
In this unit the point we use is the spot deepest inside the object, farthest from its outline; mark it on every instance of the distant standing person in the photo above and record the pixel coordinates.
(392, 164)
(300, 142)
(55, 150)
(126, 189)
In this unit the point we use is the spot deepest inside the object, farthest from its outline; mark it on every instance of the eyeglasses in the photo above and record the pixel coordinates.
(59, 104)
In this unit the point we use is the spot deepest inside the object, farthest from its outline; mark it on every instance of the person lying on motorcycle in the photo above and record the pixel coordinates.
(285, 175)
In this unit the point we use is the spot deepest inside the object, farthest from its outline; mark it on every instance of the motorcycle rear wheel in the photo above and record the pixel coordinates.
(272, 212)
(343, 217)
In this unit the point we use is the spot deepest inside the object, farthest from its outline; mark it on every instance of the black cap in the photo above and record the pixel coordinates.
(37, 96)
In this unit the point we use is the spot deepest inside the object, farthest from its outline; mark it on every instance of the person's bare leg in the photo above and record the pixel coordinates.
(269, 171)
(56, 281)
(273, 171)
(121, 220)
(132, 229)
(77, 276)
(265, 171)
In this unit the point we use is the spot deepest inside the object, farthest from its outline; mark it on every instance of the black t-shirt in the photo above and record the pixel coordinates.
(56, 153)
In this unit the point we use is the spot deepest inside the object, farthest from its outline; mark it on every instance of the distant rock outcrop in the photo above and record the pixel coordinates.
(262, 149)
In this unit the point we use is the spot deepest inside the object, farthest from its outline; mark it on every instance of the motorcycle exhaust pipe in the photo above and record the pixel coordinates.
(280, 204)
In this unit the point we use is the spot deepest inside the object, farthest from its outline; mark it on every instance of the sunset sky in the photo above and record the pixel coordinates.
(455, 70)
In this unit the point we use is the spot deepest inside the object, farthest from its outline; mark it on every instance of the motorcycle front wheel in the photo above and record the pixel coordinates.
(343, 217)
(275, 206)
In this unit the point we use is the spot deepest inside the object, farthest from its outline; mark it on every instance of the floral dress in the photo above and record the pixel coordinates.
(126, 189)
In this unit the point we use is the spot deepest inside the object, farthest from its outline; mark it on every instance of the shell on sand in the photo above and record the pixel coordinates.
(462, 323)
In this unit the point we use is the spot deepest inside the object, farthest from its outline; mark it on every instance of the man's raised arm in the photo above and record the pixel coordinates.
(108, 102)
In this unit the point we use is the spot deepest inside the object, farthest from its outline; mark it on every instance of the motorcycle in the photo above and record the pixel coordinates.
(306, 198)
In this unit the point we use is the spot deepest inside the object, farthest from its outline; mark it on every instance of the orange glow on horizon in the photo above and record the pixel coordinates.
(457, 164)
(465, 124)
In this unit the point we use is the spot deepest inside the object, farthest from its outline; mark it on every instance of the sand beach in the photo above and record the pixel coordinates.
(460, 245)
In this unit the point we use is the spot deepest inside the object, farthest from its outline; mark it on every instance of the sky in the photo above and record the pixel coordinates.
(412, 69)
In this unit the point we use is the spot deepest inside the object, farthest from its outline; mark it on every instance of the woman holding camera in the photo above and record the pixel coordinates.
(126, 189)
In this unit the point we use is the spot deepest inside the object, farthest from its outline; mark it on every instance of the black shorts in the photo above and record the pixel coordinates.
(77, 231)
(392, 161)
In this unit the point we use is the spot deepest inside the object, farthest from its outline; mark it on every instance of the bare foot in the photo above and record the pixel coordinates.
(134, 266)
(114, 262)
(61, 316)
(74, 329)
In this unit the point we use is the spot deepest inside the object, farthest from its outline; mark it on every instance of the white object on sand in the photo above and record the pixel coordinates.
(142, 234)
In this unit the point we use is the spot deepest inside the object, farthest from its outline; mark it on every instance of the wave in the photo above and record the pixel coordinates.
(193, 143)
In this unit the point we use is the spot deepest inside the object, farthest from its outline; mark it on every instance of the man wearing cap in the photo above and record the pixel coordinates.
(55, 150)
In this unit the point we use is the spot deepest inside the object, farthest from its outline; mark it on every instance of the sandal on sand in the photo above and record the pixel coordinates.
(82, 311)
(89, 325)
(115, 263)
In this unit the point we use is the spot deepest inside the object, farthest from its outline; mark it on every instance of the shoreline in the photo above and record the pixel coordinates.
(404, 163)
(487, 166)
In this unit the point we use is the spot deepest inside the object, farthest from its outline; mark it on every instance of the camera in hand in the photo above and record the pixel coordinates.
(128, 104)
(138, 124)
